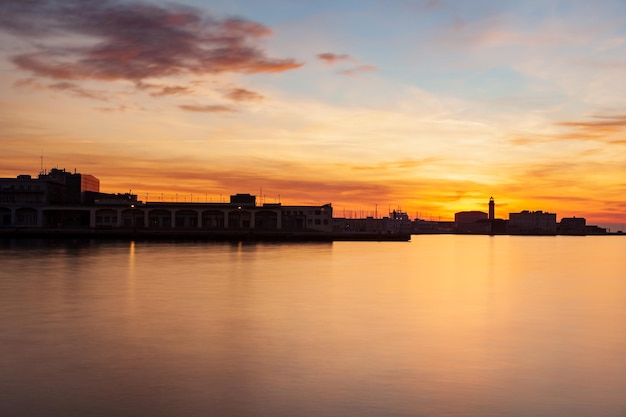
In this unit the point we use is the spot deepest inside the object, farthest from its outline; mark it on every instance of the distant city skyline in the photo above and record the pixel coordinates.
(431, 107)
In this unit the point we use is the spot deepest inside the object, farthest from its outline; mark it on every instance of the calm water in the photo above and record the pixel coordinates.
(440, 326)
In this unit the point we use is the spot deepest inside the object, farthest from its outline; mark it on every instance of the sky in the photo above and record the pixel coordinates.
(426, 106)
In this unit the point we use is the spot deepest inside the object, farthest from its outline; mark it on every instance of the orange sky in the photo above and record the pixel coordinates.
(424, 106)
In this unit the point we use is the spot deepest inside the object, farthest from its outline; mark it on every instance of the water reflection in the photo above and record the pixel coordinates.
(443, 325)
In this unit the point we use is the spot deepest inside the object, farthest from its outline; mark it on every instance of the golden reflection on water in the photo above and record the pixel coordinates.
(442, 325)
(130, 276)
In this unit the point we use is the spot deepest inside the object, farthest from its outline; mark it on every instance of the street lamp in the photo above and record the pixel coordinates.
(134, 221)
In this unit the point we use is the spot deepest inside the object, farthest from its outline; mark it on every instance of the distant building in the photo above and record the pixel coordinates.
(472, 222)
(72, 186)
(596, 230)
(64, 200)
(55, 187)
(22, 198)
(492, 209)
(306, 217)
(573, 226)
(432, 227)
(26, 190)
(244, 200)
(397, 222)
(469, 216)
(532, 222)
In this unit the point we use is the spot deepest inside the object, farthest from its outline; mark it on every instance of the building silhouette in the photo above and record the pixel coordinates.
(63, 200)
(532, 222)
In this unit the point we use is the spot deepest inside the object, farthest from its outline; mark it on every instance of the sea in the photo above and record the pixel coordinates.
(443, 325)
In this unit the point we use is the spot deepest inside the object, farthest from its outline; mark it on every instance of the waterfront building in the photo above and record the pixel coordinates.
(63, 200)
(532, 222)
(23, 198)
(396, 222)
(471, 222)
(66, 203)
(240, 214)
(55, 187)
(469, 217)
(573, 226)
(73, 185)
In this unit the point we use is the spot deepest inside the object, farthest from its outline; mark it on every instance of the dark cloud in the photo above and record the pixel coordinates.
(207, 109)
(133, 41)
(241, 94)
(332, 59)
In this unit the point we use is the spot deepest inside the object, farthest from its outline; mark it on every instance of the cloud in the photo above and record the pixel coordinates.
(133, 41)
(402, 164)
(71, 87)
(111, 109)
(599, 129)
(359, 69)
(206, 109)
(241, 94)
(77, 90)
(157, 90)
(332, 59)
(601, 122)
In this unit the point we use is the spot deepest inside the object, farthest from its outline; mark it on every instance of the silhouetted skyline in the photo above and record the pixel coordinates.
(427, 106)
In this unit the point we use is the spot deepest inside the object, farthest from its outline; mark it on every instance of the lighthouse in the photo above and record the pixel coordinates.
(492, 209)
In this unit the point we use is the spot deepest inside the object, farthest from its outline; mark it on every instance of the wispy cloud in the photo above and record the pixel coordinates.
(331, 58)
(358, 69)
(111, 109)
(133, 41)
(65, 86)
(241, 94)
(158, 90)
(602, 122)
(600, 128)
(404, 164)
(597, 128)
(207, 108)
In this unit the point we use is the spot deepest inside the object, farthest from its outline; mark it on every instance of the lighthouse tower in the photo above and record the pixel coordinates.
(492, 209)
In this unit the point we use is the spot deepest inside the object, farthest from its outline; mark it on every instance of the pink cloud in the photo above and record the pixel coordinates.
(135, 41)
(332, 59)
(241, 94)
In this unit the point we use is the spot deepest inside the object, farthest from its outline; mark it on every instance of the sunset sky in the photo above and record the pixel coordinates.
(427, 106)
